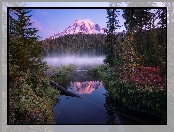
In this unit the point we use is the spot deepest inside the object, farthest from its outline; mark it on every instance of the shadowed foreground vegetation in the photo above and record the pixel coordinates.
(140, 95)
(31, 97)
(134, 72)
(135, 67)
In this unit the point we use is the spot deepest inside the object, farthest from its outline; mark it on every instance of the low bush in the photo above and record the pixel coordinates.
(146, 94)
(63, 73)
(31, 101)
(98, 71)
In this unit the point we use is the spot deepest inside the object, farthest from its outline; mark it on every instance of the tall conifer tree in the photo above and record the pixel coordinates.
(25, 50)
(112, 54)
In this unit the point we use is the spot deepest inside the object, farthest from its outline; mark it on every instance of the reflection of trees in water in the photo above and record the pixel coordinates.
(118, 114)
(112, 117)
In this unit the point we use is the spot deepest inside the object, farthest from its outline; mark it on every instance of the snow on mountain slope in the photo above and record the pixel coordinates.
(85, 26)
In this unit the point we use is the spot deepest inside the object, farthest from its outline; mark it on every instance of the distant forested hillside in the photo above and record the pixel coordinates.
(93, 44)
(75, 44)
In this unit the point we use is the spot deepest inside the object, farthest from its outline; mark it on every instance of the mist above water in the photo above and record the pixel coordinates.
(78, 61)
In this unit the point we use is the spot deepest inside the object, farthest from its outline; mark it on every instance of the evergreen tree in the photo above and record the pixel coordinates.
(24, 47)
(30, 93)
(147, 39)
(112, 47)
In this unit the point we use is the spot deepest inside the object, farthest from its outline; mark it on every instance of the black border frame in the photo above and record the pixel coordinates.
(8, 8)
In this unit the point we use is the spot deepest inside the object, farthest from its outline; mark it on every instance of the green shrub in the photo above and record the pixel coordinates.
(31, 102)
(63, 73)
(148, 98)
(98, 71)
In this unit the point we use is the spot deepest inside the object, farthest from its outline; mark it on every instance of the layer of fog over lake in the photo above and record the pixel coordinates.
(78, 61)
(97, 106)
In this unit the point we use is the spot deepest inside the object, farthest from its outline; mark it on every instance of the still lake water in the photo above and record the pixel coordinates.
(97, 106)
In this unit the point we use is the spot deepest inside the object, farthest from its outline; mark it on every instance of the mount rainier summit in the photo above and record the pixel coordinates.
(85, 26)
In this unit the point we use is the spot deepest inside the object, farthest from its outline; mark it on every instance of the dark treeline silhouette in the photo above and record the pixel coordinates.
(75, 44)
(94, 44)
(137, 65)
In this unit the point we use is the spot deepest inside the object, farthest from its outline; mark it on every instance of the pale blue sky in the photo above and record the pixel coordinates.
(51, 21)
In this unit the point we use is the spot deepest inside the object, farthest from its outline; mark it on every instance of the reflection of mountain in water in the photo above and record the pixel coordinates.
(85, 87)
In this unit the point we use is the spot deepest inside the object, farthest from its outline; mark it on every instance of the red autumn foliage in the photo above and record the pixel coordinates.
(145, 76)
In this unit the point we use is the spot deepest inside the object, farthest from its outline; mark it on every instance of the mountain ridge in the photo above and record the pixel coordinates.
(84, 26)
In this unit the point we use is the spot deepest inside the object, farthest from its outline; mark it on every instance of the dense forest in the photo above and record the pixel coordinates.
(31, 97)
(134, 74)
(137, 74)
(94, 44)
(75, 44)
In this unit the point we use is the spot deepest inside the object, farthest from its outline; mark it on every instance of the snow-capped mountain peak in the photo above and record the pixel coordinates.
(85, 26)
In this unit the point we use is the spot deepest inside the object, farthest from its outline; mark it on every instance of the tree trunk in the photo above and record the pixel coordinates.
(63, 90)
